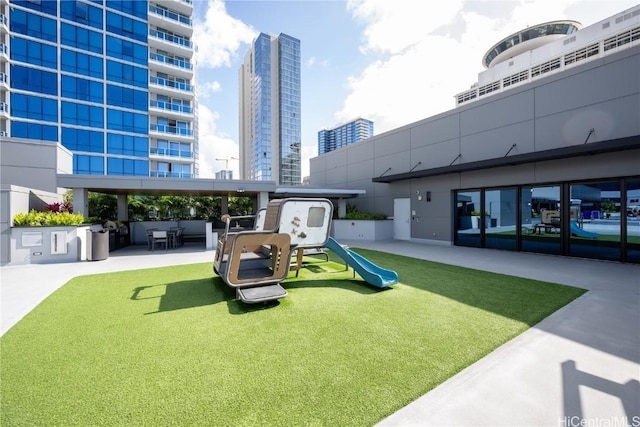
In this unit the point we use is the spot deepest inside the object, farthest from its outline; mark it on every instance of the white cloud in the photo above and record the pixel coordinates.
(420, 72)
(220, 35)
(313, 61)
(207, 88)
(423, 56)
(214, 146)
(397, 25)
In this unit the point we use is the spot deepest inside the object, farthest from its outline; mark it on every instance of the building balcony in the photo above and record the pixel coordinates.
(170, 43)
(4, 24)
(166, 153)
(4, 80)
(165, 174)
(171, 131)
(170, 87)
(184, 7)
(4, 109)
(4, 51)
(171, 110)
(170, 20)
(169, 65)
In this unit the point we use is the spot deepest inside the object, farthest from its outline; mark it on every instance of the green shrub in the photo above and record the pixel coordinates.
(36, 219)
(365, 215)
(353, 213)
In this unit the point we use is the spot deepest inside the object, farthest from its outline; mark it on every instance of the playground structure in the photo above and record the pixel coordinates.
(255, 262)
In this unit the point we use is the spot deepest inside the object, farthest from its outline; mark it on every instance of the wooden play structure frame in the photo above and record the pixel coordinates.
(256, 261)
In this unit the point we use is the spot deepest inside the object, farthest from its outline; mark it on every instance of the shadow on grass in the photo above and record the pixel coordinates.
(210, 291)
(185, 294)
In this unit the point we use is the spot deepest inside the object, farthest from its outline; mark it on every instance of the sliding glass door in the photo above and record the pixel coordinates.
(501, 208)
(540, 223)
(595, 220)
(599, 219)
(632, 215)
(468, 219)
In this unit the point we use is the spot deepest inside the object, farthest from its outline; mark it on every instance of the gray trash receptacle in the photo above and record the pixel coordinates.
(98, 245)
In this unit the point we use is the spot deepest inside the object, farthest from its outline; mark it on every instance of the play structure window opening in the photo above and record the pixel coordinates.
(316, 217)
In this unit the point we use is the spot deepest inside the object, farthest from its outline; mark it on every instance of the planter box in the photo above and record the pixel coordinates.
(358, 229)
(50, 244)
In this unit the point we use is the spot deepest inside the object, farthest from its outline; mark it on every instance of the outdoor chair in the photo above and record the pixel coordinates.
(150, 237)
(177, 236)
(159, 237)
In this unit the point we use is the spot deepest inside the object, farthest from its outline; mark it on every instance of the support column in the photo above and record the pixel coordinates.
(263, 199)
(224, 205)
(123, 207)
(342, 208)
(81, 201)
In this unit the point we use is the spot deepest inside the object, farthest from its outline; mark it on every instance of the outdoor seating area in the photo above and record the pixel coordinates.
(165, 239)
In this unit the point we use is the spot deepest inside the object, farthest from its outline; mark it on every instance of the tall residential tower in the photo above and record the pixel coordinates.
(112, 81)
(344, 134)
(270, 125)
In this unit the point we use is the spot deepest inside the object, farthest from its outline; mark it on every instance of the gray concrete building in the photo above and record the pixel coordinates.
(541, 155)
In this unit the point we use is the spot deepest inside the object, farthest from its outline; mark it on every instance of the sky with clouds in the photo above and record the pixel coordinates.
(390, 61)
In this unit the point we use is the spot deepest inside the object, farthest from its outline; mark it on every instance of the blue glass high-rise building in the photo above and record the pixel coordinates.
(344, 134)
(270, 122)
(110, 80)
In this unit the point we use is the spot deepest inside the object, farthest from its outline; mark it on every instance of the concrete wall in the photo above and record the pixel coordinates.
(13, 200)
(366, 230)
(549, 113)
(33, 164)
(28, 176)
(36, 245)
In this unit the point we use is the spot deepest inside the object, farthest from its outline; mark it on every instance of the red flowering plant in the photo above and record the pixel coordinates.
(60, 207)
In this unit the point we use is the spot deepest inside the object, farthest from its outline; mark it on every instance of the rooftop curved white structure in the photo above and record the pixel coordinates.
(527, 39)
(549, 48)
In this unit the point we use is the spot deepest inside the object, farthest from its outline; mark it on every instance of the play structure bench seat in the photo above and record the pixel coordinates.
(262, 293)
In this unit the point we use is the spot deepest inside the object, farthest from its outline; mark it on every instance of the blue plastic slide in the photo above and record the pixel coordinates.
(371, 273)
(577, 231)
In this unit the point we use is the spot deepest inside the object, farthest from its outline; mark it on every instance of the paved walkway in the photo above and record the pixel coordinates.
(578, 367)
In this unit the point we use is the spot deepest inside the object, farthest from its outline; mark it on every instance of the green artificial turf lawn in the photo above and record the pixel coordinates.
(171, 346)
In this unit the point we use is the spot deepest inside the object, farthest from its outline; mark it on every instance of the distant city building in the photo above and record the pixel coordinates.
(270, 125)
(344, 134)
(111, 81)
(224, 174)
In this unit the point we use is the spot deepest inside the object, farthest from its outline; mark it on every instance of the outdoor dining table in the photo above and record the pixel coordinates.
(172, 237)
